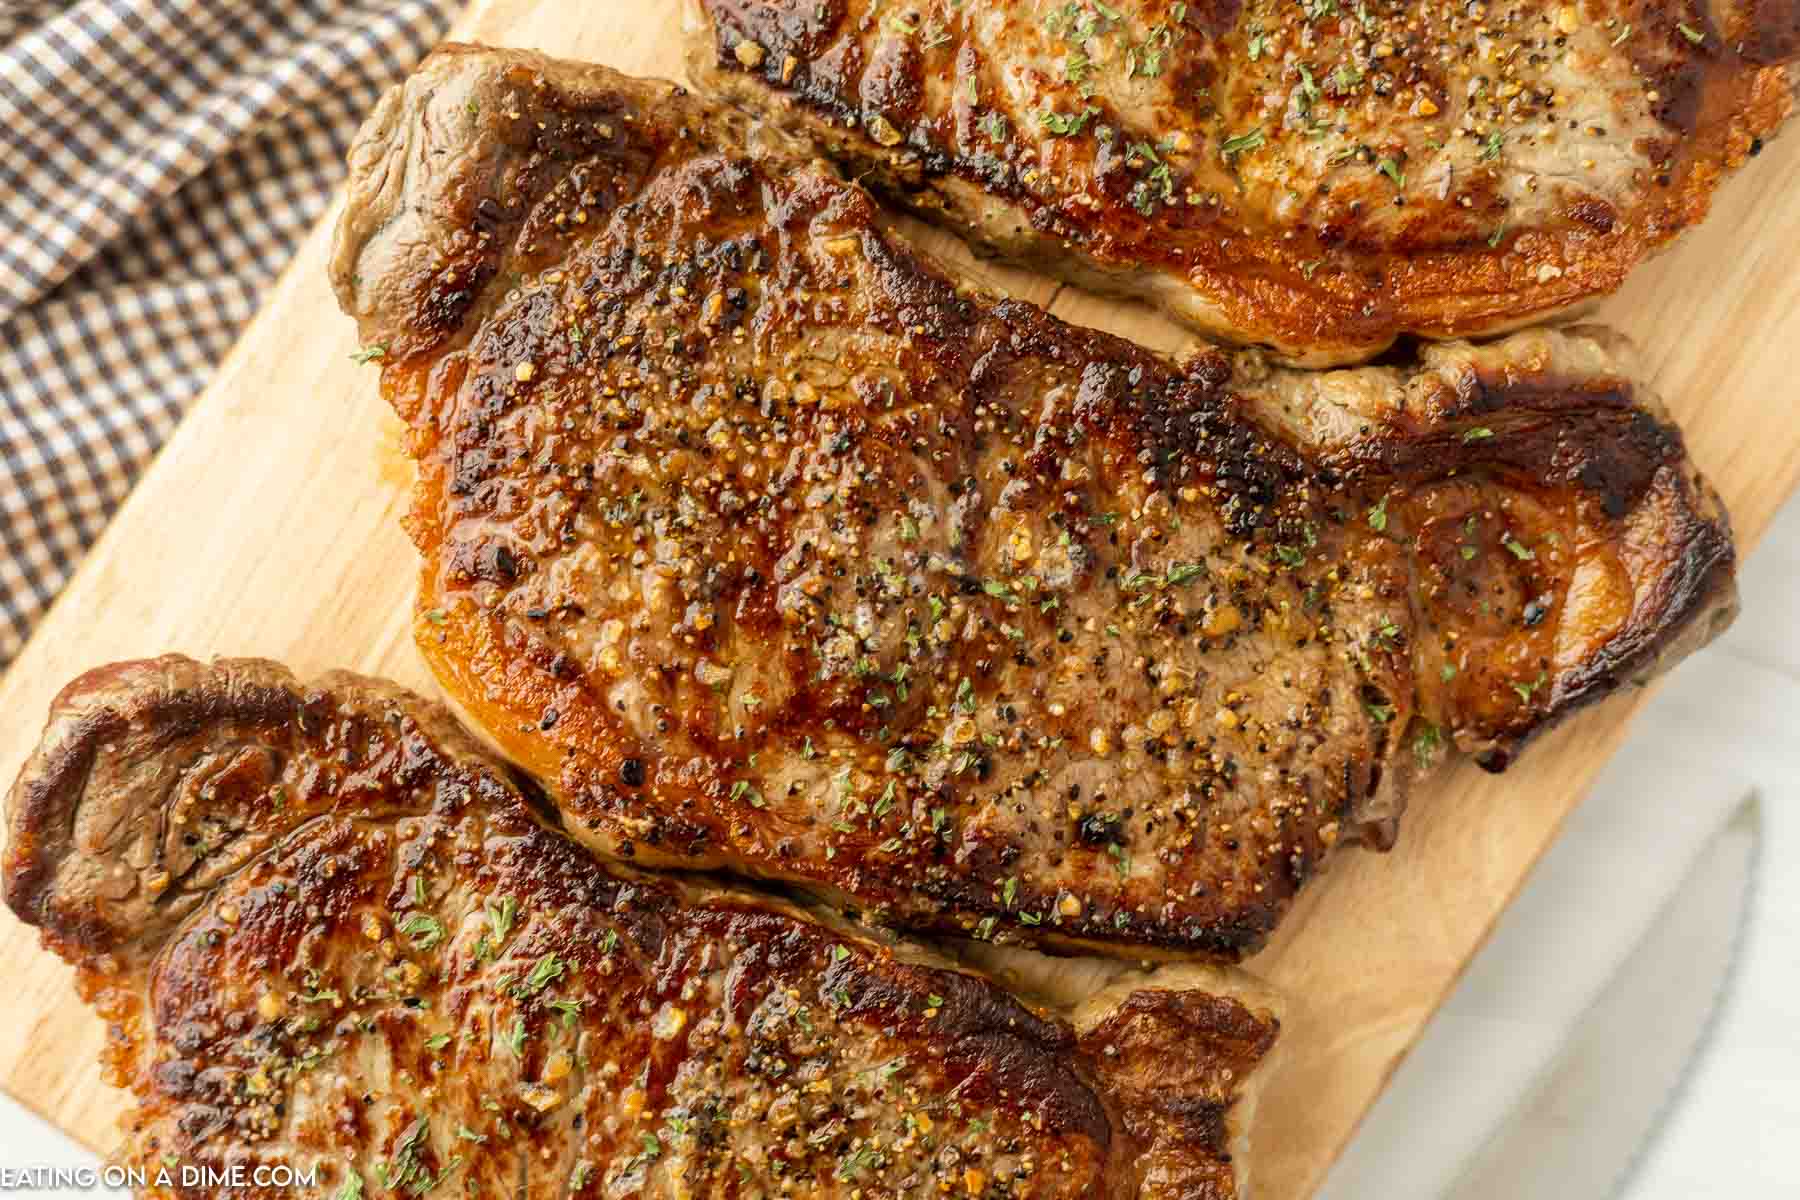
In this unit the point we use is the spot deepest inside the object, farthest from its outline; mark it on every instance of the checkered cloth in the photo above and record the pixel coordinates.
(160, 160)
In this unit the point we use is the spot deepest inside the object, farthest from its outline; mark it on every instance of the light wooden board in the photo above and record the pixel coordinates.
(269, 526)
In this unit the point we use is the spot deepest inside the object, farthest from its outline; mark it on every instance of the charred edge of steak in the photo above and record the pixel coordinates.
(1178, 1101)
(67, 869)
(157, 778)
(386, 257)
(1597, 434)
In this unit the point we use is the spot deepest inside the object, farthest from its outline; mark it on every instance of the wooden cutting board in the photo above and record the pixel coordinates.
(269, 526)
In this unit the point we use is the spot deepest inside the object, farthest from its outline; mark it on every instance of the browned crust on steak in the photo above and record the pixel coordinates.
(768, 546)
(1314, 182)
(374, 943)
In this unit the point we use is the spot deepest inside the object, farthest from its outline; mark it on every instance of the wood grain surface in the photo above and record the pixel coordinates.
(269, 525)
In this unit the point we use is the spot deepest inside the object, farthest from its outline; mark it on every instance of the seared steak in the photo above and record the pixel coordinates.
(767, 546)
(1309, 175)
(329, 931)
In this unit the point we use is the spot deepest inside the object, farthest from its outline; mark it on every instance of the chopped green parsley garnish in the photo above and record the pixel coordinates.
(501, 916)
(548, 969)
(1066, 124)
(1526, 689)
(425, 931)
(1243, 143)
(1427, 742)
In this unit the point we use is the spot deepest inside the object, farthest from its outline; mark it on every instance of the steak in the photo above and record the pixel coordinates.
(767, 545)
(330, 932)
(1317, 177)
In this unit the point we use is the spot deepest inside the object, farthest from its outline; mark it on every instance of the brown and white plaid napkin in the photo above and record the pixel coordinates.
(160, 161)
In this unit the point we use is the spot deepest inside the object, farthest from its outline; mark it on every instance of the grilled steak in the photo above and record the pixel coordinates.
(329, 931)
(766, 546)
(1304, 174)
